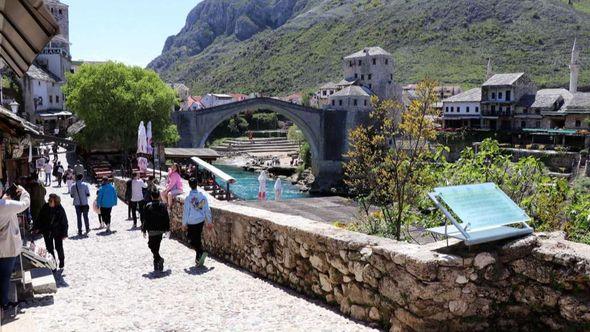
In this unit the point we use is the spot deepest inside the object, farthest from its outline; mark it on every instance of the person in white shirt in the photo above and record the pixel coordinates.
(137, 186)
(14, 202)
(278, 189)
(48, 169)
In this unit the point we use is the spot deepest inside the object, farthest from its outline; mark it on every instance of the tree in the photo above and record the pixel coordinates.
(389, 159)
(112, 99)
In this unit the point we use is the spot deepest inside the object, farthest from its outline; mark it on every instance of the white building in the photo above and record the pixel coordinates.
(216, 99)
(462, 110)
(354, 97)
(44, 102)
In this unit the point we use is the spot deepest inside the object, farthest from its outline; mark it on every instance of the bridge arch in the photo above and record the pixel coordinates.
(299, 115)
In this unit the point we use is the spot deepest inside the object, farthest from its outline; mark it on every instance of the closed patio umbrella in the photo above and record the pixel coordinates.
(141, 139)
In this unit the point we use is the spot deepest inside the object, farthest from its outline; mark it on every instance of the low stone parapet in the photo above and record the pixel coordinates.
(541, 281)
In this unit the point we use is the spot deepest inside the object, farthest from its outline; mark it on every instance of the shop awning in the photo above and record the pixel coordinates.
(15, 125)
(50, 114)
(26, 26)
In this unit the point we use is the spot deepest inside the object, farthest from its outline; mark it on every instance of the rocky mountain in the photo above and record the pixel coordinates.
(282, 46)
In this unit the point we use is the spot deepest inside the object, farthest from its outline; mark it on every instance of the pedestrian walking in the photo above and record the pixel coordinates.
(70, 179)
(79, 169)
(174, 186)
(137, 187)
(196, 213)
(128, 197)
(151, 186)
(54, 148)
(278, 189)
(48, 169)
(106, 199)
(59, 173)
(15, 200)
(53, 225)
(80, 192)
(156, 223)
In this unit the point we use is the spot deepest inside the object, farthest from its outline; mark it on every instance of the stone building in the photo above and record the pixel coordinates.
(534, 111)
(44, 102)
(354, 97)
(462, 110)
(500, 95)
(372, 67)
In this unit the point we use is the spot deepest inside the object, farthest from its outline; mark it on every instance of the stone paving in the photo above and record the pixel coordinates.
(108, 285)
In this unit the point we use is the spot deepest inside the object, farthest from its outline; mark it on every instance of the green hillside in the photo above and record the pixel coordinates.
(448, 40)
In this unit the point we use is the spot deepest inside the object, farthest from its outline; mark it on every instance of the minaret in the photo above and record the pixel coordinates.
(574, 68)
(489, 72)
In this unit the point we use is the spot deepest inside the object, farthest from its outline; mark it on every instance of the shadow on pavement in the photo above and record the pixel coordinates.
(78, 237)
(59, 279)
(38, 302)
(193, 270)
(157, 275)
(134, 229)
(105, 233)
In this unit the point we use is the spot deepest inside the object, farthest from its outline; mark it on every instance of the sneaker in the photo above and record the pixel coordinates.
(202, 259)
(108, 228)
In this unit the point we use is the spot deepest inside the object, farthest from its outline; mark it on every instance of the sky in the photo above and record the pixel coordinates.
(128, 31)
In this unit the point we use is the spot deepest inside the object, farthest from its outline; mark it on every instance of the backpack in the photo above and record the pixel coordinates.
(156, 217)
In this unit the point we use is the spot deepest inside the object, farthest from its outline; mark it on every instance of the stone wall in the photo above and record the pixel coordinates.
(540, 281)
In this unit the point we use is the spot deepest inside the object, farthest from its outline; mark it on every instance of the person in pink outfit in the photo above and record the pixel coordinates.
(174, 186)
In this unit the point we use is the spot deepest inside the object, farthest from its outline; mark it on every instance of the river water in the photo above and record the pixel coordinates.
(246, 186)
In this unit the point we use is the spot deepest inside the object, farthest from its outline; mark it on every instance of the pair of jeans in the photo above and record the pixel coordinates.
(6, 267)
(134, 208)
(52, 243)
(194, 237)
(154, 245)
(106, 215)
(82, 210)
(47, 179)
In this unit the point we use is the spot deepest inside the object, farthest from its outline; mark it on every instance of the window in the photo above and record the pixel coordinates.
(38, 82)
(333, 102)
(493, 95)
(508, 109)
(356, 75)
(452, 109)
(467, 109)
(51, 99)
(386, 61)
(60, 11)
(360, 62)
(374, 61)
(370, 86)
(369, 76)
(354, 102)
(500, 95)
(447, 109)
(324, 92)
(363, 77)
(493, 108)
(350, 63)
(508, 95)
(340, 102)
(525, 110)
(578, 123)
(365, 102)
(52, 84)
(476, 109)
(458, 109)
(57, 99)
(537, 111)
(391, 77)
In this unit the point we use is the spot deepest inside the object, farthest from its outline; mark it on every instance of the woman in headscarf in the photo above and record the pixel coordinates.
(278, 189)
(262, 186)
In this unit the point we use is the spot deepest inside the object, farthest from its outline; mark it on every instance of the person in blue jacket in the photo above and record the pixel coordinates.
(107, 198)
(195, 215)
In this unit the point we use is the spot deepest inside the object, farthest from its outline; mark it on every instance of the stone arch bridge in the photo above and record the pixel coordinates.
(325, 130)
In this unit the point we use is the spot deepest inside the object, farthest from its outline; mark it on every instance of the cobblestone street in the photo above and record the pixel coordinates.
(108, 285)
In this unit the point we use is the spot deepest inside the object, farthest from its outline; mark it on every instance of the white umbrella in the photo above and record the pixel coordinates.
(150, 148)
(141, 139)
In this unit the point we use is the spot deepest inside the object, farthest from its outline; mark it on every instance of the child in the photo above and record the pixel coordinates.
(196, 213)
(156, 223)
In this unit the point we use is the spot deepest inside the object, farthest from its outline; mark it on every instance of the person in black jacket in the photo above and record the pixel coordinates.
(156, 223)
(128, 197)
(53, 224)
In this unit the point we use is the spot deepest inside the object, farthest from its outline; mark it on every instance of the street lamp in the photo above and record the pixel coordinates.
(14, 106)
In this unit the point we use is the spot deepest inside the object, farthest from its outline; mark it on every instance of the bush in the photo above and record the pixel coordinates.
(305, 154)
